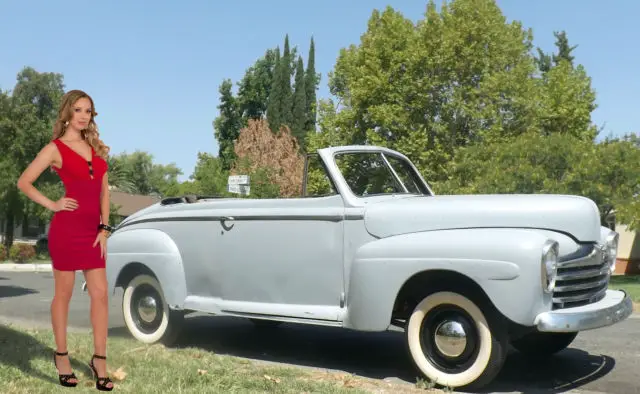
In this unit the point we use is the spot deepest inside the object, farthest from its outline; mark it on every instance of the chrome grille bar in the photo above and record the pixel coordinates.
(582, 286)
(582, 279)
(581, 297)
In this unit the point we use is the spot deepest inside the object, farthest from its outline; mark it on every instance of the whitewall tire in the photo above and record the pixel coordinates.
(453, 343)
(146, 312)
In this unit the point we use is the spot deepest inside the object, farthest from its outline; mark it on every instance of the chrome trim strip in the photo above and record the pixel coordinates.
(329, 217)
(615, 307)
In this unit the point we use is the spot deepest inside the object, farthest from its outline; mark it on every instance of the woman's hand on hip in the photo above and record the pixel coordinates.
(65, 204)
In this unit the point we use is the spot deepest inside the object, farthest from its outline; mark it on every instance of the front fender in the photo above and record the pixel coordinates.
(505, 263)
(156, 251)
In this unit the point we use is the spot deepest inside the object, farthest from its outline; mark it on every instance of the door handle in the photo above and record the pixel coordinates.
(226, 219)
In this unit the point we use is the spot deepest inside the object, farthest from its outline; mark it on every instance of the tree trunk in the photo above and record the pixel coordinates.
(8, 235)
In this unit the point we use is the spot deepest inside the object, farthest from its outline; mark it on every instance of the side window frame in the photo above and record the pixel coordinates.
(305, 177)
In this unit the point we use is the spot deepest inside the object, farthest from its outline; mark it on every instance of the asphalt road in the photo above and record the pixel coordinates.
(599, 361)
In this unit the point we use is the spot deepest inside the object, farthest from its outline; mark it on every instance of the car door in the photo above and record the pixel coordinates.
(282, 257)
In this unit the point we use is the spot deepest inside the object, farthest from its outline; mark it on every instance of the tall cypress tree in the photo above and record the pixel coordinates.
(311, 85)
(299, 112)
(286, 95)
(274, 114)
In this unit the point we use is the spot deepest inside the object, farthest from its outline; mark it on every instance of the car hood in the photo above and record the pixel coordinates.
(577, 216)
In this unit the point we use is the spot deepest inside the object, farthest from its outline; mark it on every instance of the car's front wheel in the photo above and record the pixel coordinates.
(146, 312)
(453, 343)
(543, 344)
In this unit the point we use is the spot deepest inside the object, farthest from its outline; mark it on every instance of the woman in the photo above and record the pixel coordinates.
(79, 230)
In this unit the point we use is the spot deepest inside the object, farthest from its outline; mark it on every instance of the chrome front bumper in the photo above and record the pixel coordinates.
(613, 308)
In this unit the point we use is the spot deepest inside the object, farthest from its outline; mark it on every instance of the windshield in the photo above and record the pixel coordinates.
(375, 173)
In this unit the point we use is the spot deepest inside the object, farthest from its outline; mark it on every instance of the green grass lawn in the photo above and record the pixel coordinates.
(26, 366)
(629, 283)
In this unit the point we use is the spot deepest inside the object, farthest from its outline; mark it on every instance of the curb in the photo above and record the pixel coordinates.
(25, 267)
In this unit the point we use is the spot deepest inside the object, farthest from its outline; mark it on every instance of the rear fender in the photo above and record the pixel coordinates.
(134, 251)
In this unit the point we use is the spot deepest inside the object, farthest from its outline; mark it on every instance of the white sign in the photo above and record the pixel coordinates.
(239, 189)
(238, 180)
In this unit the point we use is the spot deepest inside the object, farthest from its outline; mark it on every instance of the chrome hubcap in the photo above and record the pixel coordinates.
(450, 338)
(147, 309)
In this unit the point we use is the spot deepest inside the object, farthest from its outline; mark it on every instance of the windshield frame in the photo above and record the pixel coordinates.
(383, 155)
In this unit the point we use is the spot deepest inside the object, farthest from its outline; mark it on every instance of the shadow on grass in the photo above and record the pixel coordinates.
(373, 355)
(20, 350)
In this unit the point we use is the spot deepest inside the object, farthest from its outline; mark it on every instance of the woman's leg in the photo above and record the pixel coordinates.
(63, 290)
(97, 287)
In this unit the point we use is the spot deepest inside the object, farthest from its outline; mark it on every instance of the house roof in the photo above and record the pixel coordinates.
(130, 203)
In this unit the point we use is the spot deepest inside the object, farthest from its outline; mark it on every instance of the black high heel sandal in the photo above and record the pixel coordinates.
(101, 383)
(64, 378)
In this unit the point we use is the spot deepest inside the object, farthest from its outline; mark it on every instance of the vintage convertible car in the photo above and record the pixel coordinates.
(369, 246)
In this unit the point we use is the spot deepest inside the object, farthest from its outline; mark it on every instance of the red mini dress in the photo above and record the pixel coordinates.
(72, 233)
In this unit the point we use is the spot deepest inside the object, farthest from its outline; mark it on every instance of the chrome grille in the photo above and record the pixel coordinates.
(583, 278)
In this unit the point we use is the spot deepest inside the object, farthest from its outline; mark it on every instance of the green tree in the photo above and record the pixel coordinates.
(209, 178)
(455, 78)
(286, 94)
(564, 49)
(299, 122)
(143, 176)
(210, 175)
(545, 61)
(312, 79)
(26, 120)
(567, 100)
(227, 124)
(459, 77)
(274, 111)
(255, 87)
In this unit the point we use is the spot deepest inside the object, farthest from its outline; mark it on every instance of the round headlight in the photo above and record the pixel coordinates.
(611, 250)
(549, 265)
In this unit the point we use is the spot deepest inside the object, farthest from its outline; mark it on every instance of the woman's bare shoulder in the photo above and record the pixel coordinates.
(51, 153)
(49, 149)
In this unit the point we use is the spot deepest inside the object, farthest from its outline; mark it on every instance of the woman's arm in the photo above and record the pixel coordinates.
(45, 158)
(105, 206)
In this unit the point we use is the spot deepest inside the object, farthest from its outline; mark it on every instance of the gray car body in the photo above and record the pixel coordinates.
(341, 260)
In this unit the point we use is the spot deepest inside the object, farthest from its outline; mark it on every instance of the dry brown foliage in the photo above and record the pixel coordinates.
(257, 147)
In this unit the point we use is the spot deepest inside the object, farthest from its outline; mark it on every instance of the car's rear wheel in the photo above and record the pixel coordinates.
(147, 314)
(453, 343)
(543, 344)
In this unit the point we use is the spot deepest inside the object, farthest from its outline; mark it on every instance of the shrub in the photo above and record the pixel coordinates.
(3, 252)
(272, 160)
(21, 253)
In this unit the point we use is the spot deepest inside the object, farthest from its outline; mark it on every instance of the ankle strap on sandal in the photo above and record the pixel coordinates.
(99, 357)
(61, 354)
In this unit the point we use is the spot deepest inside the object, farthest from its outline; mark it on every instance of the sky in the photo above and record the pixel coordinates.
(153, 68)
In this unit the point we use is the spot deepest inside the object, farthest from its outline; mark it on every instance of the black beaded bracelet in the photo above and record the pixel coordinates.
(105, 227)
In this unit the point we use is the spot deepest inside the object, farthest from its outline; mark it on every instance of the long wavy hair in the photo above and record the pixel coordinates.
(90, 134)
